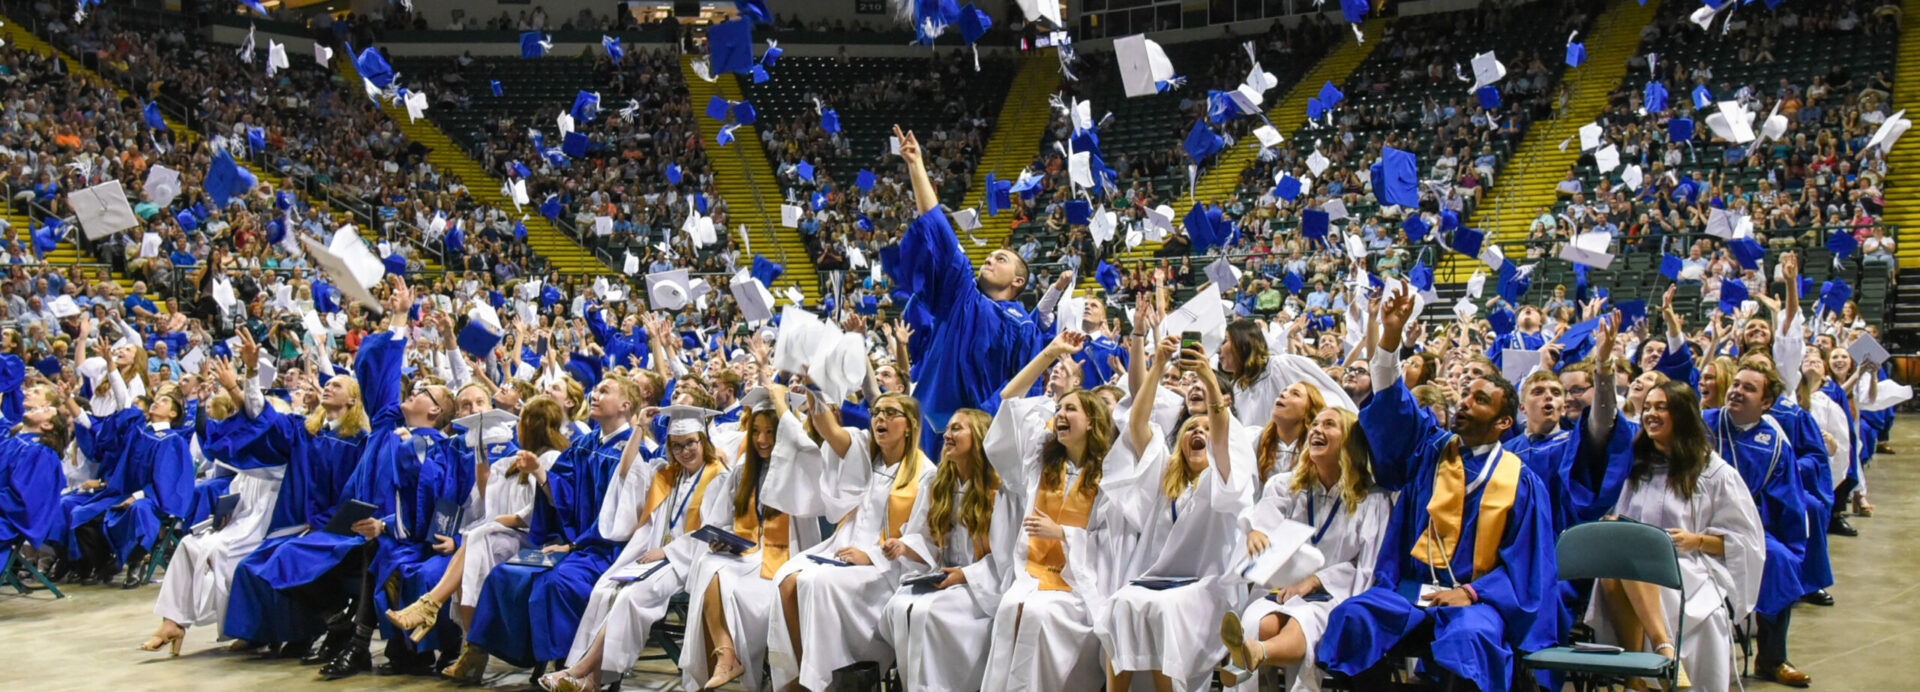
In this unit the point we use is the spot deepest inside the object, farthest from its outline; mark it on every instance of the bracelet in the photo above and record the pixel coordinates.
(1222, 406)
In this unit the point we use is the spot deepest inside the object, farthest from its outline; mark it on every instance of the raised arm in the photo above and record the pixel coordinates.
(826, 422)
(1140, 417)
(1605, 399)
(1063, 346)
(925, 198)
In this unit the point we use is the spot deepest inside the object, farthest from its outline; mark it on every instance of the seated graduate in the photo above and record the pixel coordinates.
(1468, 562)
(1085, 490)
(652, 504)
(1205, 486)
(498, 511)
(939, 632)
(1260, 368)
(30, 478)
(1680, 484)
(1283, 437)
(528, 613)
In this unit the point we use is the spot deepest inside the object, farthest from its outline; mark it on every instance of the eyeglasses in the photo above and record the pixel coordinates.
(880, 413)
(682, 446)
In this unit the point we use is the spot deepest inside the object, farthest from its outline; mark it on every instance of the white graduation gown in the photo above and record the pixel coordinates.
(1253, 404)
(1721, 506)
(940, 637)
(1833, 420)
(1350, 545)
(840, 607)
(1196, 536)
(487, 541)
(200, 573)
(1044, 640)
(623, 604)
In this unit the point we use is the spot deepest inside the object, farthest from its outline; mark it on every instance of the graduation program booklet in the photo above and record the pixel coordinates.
(447, 515)
(657, 566)
(1163, 583)
(727, 539)
(348, 514)
(222, 513)
(534, 557)
(929, 580)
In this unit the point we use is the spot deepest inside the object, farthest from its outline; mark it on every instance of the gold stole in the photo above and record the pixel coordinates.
(1045, 556)
(1446, 511)
(771, 537)
(664, 481)
(900, 501)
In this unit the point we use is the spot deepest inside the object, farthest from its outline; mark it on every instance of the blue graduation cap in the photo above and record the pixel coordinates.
(50, 365)
(1501, 319)
(1654, 97)
(456, 239)
(1576, 54)
(199, 210)
(1202, 142)
(1293, 282)
(673, 173)
(718, 108)
(1313, 224)
(1221, 107)
(999, 195)
(1396, 179)
(755, 10)
(1330, 95)
(614, 52)
(1205, 227)
(819, 200)
(326, 298)
(549, 295)
(830, 121)
(586, 105)
(804, 170)
(478, 339)
(1028, 187)
(575, 145)
(396, 265)
(1466, 241)
(46, 237)
(863, 223)
(1449, 219)
(1354, 10)
(1315, 108)
(744, 113)
(700, 202)
(1416, 228)
(1576, 342)
(550, 207)
(276, 231)
(1702, 97)
(1108, 276)
(520, 229)
(765, 271)
(226, 179)
(1288, 188)
(1806, 285)
(152, 115)
(186, 220)
(1679, 130)
(1421, 276)
(767, 59)
(1079, 212)
(1670, 266)
(868, 305)
(974, 23)
(864, 180)
(1489, 97)
(497, 91)
(1835, 294)
(1733, 292)
(730, 46)
(1513, 286)
(282, 200)
(373, 67)
(1747, 251)
(1842, 243)
(1632, 312)
(532, 45)
(759, 74)
(585, 369)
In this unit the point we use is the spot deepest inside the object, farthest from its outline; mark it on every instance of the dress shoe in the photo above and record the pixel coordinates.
(417, 667)
(353, 661)
(1786, 674)
(1819, 598)
(1841, 527)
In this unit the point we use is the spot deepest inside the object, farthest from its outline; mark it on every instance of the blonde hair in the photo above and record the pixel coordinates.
(1181, 475)
(1356, 464)
(909, 473)
(353, 418)
(975, 510)
(1268, 449)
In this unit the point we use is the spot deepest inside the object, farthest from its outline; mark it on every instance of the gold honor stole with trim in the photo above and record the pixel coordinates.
(1446, 511)
(664, 481)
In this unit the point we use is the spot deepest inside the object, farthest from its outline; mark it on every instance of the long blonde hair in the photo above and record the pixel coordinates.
(353, 418)
(1268, 449)
(1724, 369)
(975, 511)
(1101, 435)
(1356, 464)
(909, 473)
(1181, 475)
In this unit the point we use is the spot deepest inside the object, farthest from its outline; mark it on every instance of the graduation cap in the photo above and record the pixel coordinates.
(1513, 283)
(1206, 228)
(730, 46)
(974, 23)
(1330, 95)
(1679, 130)
(1202, 142)
(47, 236)
(744, 114)
(1449, 220)
(482, 332)
(1396, 179)
(1702, 97)
(1576, 54)
(1747, 251)
(1293, 282)
(999, 194)
(1313, 224)
(584, 369)
(1415, 227)
(1108, 276)
(497, 91)
(325, 299)
(830, 121)
(669, 290)
(225, 179)
(1632, 312)
(819, 200)
(1489, 97)
(1421, 276)
(1466, 241)
(755, 10)
(1354, 10)
(102, 210)
(1733, 292)
(395, 264)
(864, 180)
(718, 107)
(614, 52)
(575, 145)
(868, 305)
(1501, 319)
(586, 105)
(533, 45)
(751, 297)
(673, 173)
(276, 231)
(804, 170)
(768, 58)
(1288, 188)
(1834, 295)
(1654, 97)
(550, 207)
(186, 220)
(1842, 243)
(1670, 266)
(373, 68)
(766, 271)
(759, 74)
(1079, 212)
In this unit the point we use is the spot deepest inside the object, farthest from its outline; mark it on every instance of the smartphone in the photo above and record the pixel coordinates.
(1189, 339)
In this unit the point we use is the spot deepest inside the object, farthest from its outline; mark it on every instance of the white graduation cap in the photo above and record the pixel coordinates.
(1607, 159)
(1590, 249)
(282, 297)
(603, 225)
(1102, 225)
(755, 303)
(1703, 15)
(1476, 283)
(1889, 132)
(1866, 349)
(790, 215)
(1632, 177)
(669, 290)
(1201, 313)
(703, 70)
(1493, 256)
(856, 258)
(1135, 237)
(1256, 77)
(1590, 136)
(517, 190)
(1722, 223)
(1082, 113)
(103, 209)
(416, 105)
(699, 230)
(1356, 247)
(1268, 136)
(1221, 272)
(149, 245)
(479, 424)
(834, 360)
(1732, 123)
(1317, 162)
(1486, 70)
(967, 219)
(350, 265)
(1143, 65)
(1465, 309)
(1080, 169)
(276, 57)
(1516, 363)
(630, 264)
(1159, 222)
(687, 420)
(63, 307)
(223, 293)
(1335, 208)
(321, 53)
(1247, 99)
(1289, 558)
(793, 295)
(163, 184)
(1775, 126)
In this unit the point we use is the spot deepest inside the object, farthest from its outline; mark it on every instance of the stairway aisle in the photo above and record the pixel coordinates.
(1903, 164)
(1023, 120)
(1219, 182)
(747, 183)
(546, 239)
(1527, 183)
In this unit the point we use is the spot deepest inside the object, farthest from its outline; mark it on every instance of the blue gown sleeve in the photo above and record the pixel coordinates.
(378, 370)
(546, 524)
(935, 269)
(602, 332)
(171, 482)
(13, 374)
(1677, 364)
(34, 481)
(1597, 473)
(1524, 583)
(1404, 437)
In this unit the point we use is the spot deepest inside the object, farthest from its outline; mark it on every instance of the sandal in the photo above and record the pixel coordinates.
(469, 668)
(1240, 655)
(418, 618)
(169, 635)
(722, 675)
(560, 681)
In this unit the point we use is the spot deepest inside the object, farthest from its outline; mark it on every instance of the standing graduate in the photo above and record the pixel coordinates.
(1468, 562)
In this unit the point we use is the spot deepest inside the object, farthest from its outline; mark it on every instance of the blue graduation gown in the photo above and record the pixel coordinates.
(156, 463)
(419, 568)
(1816, 482)
(30, 483)
(1678, 365)
(526, 614)
(1770, 469)
(979, 344)
(1476, 642)
(206, 493)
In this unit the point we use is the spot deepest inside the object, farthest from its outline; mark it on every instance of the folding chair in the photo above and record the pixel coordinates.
(160, 553)
(1627, 551)
(14, 561)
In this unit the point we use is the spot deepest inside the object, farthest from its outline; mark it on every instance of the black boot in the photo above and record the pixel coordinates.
(1839, 526)
(339, 634)
(136, 575)
(354, 660)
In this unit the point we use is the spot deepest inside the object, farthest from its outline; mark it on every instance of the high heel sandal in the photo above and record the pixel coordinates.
(469, 668)
(715, 681)
(1680, 680)
(1861, 507)
(417, 618)
(171, 640)
(560, 681)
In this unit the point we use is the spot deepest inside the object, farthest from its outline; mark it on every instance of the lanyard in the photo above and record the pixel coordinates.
(1324, 523)
(680, 512)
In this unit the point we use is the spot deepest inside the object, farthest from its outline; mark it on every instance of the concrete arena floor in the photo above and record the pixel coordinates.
(1864, 643)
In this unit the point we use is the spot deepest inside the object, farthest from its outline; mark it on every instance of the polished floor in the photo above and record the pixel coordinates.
(1866, 642)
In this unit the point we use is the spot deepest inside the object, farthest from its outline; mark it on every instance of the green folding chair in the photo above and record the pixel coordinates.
(13, 562)
(1628, 551)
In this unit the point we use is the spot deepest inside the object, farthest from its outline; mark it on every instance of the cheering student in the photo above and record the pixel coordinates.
(1188, 543)
(1087, 488)
(939, 631)
(1284, 435)
(1259, 369)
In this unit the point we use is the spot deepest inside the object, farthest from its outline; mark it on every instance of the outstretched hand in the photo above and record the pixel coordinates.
(909, 145)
